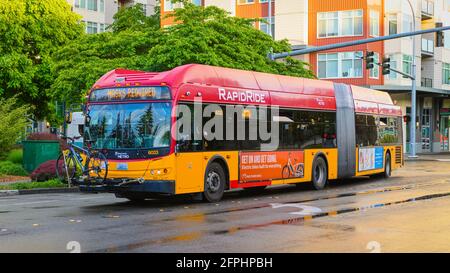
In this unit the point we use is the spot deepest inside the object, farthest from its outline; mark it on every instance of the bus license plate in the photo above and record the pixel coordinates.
(122, 166)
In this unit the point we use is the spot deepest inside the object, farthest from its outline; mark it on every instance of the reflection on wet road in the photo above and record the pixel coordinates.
(405, 213)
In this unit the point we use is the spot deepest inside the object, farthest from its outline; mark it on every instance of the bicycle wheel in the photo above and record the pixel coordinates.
(97, 167)
(65, 174)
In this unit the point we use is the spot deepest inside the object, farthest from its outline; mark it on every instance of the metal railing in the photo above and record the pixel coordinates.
(426, 82)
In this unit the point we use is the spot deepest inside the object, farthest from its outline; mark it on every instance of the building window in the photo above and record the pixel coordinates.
(407, 64)
(102, 5)
(169, 6)
(445, 73)
(242, 2)
(102, 28)
(393, 25)
(328, 24)
(264, 1)
(392, 75)
(197, 2)
(375, 71)
(340, 65)
(374, 23)
(264, 26)
(339, 23)
(80, 4)
(92, 5)
(407, 23)
(91, 27)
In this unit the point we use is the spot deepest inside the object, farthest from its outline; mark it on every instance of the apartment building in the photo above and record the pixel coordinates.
(307, 23)
(240, 8)
(98, 14)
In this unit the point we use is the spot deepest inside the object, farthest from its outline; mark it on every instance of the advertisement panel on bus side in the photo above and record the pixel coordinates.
(370, 158)
(266, 166)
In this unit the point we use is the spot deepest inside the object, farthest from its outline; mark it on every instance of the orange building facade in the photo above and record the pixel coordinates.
(331, 22)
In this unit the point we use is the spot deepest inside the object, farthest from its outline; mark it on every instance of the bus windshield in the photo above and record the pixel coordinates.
(129, 125)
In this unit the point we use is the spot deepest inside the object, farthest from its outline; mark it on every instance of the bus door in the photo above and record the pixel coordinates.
(189, 160)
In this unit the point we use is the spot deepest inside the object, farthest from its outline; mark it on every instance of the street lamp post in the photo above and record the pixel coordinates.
(412, 139)
(270, 17)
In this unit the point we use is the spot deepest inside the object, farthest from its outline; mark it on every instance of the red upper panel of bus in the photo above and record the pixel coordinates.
(226, 85)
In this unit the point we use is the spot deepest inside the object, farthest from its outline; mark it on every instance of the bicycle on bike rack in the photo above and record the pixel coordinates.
(70, 163)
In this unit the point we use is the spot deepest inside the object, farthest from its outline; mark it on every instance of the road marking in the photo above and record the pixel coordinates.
(304, 210)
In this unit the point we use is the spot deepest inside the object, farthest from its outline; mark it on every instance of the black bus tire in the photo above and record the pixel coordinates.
(214, 183)
(387, 166)
(319, 173)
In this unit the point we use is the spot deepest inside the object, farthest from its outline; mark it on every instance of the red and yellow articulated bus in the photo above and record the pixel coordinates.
(324, 131)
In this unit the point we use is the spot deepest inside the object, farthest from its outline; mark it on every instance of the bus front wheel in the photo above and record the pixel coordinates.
(319, 173)
(214, 182)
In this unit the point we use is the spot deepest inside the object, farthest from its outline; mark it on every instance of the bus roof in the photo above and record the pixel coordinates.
(281, 89)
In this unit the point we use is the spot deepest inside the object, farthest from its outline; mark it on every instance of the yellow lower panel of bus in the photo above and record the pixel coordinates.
(191, 168)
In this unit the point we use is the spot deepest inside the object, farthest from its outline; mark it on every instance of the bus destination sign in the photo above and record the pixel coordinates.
(130, 93)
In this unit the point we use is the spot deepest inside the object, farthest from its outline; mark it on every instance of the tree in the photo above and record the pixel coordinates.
(30, 31)
(133, 18)
(209, 35)
(204, 35)
(13, 119)
(81, 63)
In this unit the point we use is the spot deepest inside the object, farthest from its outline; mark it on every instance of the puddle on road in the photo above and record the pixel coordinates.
(303, 219)
(304, 200)
(178, 238)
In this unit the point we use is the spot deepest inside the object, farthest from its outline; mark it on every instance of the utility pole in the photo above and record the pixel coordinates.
(412, 137)
(270, 18)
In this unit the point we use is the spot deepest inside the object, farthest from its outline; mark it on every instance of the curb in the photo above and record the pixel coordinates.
(8, 193)
(38, 191)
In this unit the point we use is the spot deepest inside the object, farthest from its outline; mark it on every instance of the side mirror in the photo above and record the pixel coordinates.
(87, 120)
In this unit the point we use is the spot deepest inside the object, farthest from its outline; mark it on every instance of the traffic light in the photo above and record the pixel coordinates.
(439, 36)
(386, 65)
(369, 59)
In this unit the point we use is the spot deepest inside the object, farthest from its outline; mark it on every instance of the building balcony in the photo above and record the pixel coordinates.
(426, 82)
(427, 9)
(427, 48)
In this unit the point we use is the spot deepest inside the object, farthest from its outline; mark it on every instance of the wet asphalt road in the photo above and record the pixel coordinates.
(408, 213)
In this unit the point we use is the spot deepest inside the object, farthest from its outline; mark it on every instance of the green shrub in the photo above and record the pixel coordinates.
(13, 119)
(54, 183)
(9, 168)
(15, 156)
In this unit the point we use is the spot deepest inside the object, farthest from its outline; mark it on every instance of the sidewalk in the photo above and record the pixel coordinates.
(443, 157)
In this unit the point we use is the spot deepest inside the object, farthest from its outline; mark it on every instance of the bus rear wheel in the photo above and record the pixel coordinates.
(214, 183)
(319, 173)
(387, 166)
